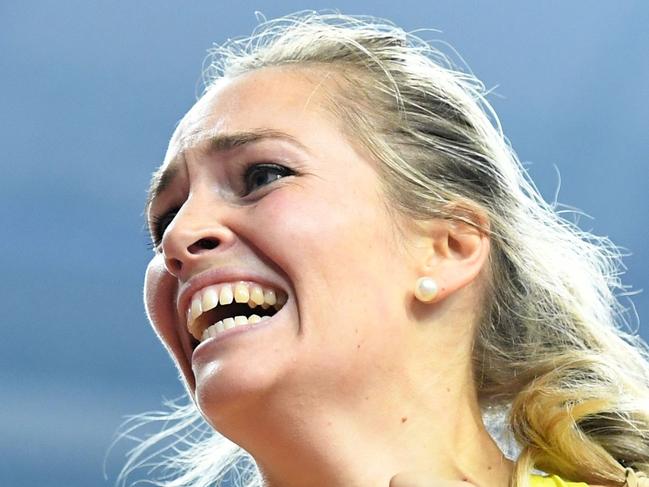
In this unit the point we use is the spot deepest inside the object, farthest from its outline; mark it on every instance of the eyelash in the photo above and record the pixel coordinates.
(160, 223)
(254, 168)
(158, 226)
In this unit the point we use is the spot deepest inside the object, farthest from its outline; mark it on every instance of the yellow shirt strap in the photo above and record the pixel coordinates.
(553, 481)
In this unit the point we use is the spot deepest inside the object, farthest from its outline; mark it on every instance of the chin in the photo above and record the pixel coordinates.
(237, 376)
(234, 393)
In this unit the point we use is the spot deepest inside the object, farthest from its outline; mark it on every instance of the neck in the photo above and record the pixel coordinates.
(357, 441)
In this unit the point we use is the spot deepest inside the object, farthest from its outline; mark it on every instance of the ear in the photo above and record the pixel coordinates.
(456, 252)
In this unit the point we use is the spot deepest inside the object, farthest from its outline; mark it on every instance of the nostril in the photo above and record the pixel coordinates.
(203, 244)
(208, 243)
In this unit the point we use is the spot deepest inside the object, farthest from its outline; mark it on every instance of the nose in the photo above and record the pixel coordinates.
(191, 238)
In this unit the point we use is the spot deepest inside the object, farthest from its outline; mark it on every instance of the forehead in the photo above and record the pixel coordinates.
(279, 103)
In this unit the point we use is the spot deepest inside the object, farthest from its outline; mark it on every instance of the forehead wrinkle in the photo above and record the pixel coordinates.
(216, 142)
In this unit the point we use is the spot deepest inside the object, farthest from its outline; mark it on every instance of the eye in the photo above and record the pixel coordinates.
(159, 224)
(258, 175)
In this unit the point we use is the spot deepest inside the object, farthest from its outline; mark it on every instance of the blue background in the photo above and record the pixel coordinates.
(90, 91)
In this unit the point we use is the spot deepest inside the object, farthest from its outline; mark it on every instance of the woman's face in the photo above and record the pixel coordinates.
(262, 188)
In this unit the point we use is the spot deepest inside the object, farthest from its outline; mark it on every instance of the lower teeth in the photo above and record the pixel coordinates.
(226, 324)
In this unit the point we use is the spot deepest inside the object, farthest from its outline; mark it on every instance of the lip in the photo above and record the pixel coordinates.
(205, 346)
(217, 276)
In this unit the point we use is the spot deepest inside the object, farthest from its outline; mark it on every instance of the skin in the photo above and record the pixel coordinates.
(356, 383)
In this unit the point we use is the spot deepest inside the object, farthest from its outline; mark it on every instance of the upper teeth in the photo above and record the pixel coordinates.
(240, 292)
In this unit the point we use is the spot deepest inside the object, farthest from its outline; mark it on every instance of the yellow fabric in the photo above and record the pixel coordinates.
(553, 481)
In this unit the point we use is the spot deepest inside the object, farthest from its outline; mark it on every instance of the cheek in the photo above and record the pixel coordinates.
(157, 291)
(159, 298)
(320, 226)
(336, 247)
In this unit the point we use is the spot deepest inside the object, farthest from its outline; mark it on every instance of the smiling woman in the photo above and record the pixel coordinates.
(351, 269)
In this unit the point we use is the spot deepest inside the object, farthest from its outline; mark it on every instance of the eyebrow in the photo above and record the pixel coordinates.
(161, 180)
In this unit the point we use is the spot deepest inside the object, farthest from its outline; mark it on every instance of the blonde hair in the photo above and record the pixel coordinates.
(550, 350)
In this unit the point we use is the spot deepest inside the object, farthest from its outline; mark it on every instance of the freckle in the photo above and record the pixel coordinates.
(448, 389)
(367, 398)
(358, 346)
(489, 467)
(404, 419)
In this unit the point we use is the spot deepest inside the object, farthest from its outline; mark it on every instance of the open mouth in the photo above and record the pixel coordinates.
(220, 307)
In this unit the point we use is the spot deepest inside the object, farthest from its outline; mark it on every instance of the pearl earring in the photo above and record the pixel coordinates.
(426, 289)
